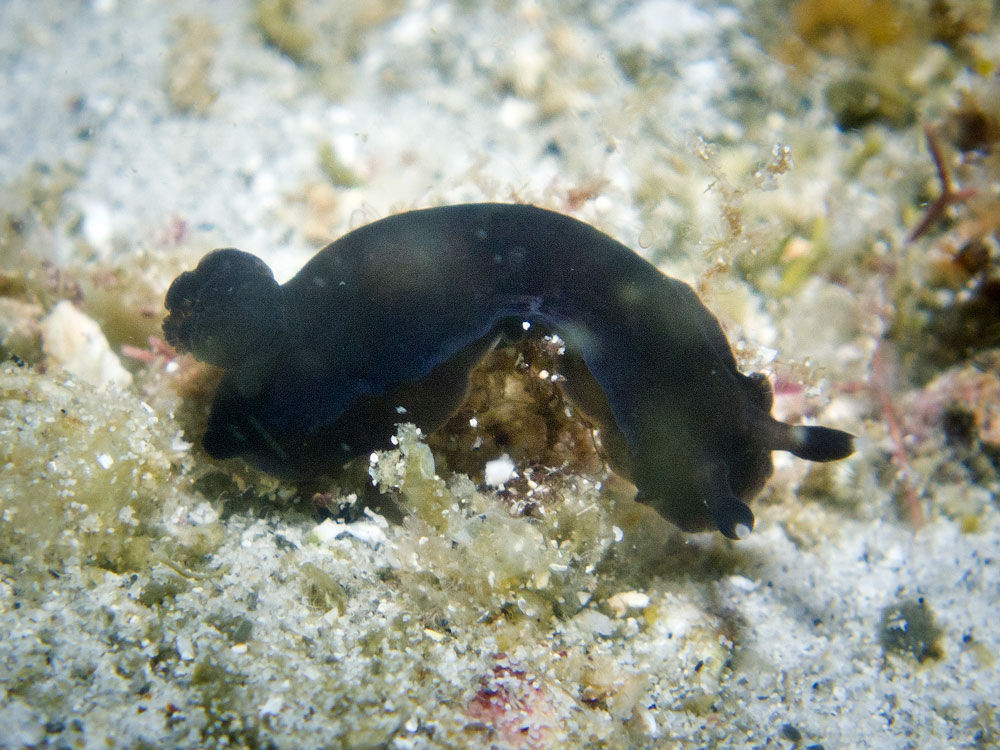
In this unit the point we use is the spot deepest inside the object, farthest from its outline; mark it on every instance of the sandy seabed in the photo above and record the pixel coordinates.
(150, 597)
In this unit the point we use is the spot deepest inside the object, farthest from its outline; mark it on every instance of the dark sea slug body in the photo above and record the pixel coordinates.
(392, 317)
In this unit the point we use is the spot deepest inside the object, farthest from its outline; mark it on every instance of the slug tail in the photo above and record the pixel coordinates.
(731, 515)
(811, 442)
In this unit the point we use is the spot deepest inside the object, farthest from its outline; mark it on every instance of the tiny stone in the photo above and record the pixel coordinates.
(790, 733)
(499, 471)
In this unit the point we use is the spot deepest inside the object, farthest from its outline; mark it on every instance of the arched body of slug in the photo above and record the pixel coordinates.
(396, 313)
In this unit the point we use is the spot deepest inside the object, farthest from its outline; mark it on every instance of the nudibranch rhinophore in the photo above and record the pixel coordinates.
(396, 313)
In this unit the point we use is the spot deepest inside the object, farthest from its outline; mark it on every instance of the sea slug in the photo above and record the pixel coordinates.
(393, 316)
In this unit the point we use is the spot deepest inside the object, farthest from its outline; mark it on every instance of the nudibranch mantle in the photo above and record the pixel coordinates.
(396, 314)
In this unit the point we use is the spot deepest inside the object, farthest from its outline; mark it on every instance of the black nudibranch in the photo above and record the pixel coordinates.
(396, 313)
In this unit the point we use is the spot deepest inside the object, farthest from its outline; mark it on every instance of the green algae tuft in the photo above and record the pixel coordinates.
(463, 545)
(85, 473)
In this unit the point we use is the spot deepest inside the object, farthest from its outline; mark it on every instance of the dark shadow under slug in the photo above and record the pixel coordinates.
(396, 314)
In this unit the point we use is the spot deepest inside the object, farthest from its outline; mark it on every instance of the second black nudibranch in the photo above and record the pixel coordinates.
(396, 314)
